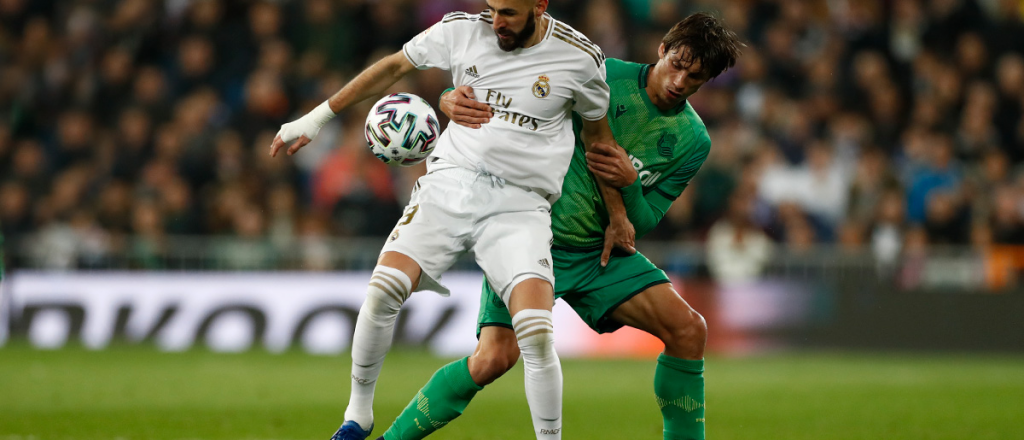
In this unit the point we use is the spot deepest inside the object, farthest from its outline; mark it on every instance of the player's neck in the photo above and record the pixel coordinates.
(538, 34)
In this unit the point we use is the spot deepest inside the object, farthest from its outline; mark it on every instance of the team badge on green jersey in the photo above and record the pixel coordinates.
(665, 144)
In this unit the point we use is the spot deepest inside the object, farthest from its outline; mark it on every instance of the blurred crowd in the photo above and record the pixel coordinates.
(886, 125)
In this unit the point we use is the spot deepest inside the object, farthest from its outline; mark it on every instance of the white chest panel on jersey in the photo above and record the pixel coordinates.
(533, 91)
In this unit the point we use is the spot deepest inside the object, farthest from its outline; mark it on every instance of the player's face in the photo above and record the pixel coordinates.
(514, 22)
(674, 78)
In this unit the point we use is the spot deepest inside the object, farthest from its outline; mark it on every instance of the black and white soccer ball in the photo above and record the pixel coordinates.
(402, 129)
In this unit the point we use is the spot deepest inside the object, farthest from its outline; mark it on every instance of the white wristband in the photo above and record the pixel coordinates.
(322, 113)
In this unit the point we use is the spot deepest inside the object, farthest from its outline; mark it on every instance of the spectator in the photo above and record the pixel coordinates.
(903, 117)
(737, 250)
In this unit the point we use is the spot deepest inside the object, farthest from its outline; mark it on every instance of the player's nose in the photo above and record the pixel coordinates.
(680, 79)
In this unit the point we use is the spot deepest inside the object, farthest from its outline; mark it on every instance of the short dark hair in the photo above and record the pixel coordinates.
(708, 41)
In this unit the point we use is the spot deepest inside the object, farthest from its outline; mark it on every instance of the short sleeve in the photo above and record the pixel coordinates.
(592, 100)
(431, 48)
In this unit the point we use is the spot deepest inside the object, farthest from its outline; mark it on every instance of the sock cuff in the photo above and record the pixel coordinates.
(394, 275)
(458, 377)
(683, 365)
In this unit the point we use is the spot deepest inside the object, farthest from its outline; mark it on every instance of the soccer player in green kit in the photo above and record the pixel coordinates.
(664, 143)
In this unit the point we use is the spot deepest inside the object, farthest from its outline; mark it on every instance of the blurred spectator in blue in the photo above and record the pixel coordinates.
(942, 172)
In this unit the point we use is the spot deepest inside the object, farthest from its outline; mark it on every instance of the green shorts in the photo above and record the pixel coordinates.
(591, 290)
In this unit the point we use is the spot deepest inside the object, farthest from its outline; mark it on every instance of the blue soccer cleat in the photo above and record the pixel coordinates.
(350, 430)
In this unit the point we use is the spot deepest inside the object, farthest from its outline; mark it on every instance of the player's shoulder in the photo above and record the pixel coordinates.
(466, 20)
(696, 124)
(621, 69)
(575, 42)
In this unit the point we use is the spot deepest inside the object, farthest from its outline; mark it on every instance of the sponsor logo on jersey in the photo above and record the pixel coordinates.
(500, 104)
(473, 72)
(541, 88)
(620, 110)
(647, 178)
(544, 262)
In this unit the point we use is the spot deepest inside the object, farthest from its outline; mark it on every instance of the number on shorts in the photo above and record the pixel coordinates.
(409, 213)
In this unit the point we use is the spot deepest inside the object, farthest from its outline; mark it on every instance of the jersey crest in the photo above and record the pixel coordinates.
(541, 88)
(665, 144)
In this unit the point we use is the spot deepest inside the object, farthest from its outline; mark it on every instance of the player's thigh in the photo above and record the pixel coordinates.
(514, 246)
(429, 232)
(658, 310)
(595, 292)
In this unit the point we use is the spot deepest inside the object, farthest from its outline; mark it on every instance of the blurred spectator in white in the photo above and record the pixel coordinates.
(737, 250)
(887, 229)
(314, 250)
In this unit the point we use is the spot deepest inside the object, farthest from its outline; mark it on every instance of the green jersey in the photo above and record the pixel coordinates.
(666, 147)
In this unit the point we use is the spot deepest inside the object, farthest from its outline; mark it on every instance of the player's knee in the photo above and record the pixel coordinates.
(487, 366)
(686, 334)
(388, 289)
(535, 336)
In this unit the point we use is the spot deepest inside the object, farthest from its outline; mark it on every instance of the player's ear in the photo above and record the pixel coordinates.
(540, 7)
(661, 51)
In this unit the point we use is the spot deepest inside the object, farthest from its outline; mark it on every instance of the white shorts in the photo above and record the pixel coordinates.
(453, 211)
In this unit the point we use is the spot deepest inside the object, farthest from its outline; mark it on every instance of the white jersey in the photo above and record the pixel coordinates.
(529, 140)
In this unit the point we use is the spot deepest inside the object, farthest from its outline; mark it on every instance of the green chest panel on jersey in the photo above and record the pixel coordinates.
(659, 143)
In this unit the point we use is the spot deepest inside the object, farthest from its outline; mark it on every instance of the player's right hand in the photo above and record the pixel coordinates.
(461, 106)
(619, 234)
(300, 131)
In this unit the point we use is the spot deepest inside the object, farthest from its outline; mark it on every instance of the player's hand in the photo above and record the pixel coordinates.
(461, 106)
(619, 234)
(301, 131)
(611, 163)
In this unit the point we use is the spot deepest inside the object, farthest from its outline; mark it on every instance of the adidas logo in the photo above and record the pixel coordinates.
(544, 262)
(472, 72)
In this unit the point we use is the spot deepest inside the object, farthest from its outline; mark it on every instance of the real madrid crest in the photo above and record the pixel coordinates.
(541, 88)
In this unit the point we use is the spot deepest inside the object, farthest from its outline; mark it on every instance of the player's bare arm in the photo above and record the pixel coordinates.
(371, 82)
(620, 232)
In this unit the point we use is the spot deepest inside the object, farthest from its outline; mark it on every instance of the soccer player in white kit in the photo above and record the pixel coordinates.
(487, 190)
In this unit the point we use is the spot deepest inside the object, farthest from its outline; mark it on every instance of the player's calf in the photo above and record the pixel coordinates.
(535, 333)
(388, 289)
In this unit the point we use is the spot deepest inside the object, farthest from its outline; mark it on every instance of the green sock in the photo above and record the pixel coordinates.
(679, 390)
(440, 401)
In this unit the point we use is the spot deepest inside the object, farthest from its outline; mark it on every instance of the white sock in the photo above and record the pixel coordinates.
(543, 372)
(375, 327)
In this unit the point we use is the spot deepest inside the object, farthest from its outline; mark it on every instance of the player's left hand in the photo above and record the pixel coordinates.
(611, 163)
(461, 106)
(619, 234)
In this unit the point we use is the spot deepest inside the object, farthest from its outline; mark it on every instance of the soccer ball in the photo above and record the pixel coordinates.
(402, 129)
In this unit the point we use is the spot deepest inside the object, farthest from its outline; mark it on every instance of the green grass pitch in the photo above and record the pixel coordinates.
(139, 393)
